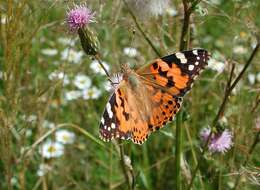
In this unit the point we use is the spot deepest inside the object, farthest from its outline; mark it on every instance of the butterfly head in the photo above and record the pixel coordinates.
(125, 69)
(130, 76)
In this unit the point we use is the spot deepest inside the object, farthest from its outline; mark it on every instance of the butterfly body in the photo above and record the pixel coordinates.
(147, 98)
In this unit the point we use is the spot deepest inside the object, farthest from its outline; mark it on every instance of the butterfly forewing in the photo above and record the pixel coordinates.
(122, 117)
(110, 126)
(176, 72)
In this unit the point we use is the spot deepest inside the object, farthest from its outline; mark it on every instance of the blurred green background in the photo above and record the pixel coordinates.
(52, 96)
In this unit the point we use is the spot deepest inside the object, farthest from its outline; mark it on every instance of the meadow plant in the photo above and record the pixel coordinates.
(219, 141)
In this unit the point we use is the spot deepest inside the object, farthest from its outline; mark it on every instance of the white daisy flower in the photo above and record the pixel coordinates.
(51, 149)
(3, 19)
(72, 56)
(31, 118)
(217, 2)
(91, 93)
(253, 43)
(43, 169)
(66, 41)
(28, 132)
(48, 125)
(239, 50)
(171, 11)
(158, 7)
(49, 52)
(217, 62)
(107, 86)
(95, 66)
(72, 95)
(14, 181)
(216, 65)
(202, 11)
(130, 51)
(58, 75)
(82, 81)
(251, 78)
(64, 136)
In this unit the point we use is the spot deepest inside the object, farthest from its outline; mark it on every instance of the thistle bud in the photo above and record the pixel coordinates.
(89, 41)
(77, 19)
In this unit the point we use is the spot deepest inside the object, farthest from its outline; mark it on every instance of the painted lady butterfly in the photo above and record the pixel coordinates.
(146, 99)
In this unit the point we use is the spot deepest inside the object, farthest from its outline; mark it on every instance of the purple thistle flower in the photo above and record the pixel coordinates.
(219, 142)
(79, 17)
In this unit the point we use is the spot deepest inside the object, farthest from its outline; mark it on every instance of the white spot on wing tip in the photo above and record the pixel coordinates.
(183, 60)
(191, 67)
(113, 126)
(195, 52)
(180, 55)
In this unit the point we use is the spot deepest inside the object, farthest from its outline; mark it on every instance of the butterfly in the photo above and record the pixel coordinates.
(145, 99)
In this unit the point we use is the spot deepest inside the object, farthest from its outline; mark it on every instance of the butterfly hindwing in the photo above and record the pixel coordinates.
(164, 107)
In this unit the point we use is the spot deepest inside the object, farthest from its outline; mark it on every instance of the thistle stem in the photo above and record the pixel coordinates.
(186, 22)
(185, 26)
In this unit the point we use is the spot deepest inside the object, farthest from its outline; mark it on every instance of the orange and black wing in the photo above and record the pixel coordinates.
(168, 79)
(122, 119)
(165, 82)
(176, 73)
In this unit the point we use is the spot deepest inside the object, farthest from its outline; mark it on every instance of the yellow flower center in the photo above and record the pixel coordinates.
(90, 93)
(51, 149)
(65, 138)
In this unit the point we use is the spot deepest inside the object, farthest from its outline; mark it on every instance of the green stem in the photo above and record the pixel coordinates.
(185, 26)
(219, 180)
(194, 155)
(178, 151)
